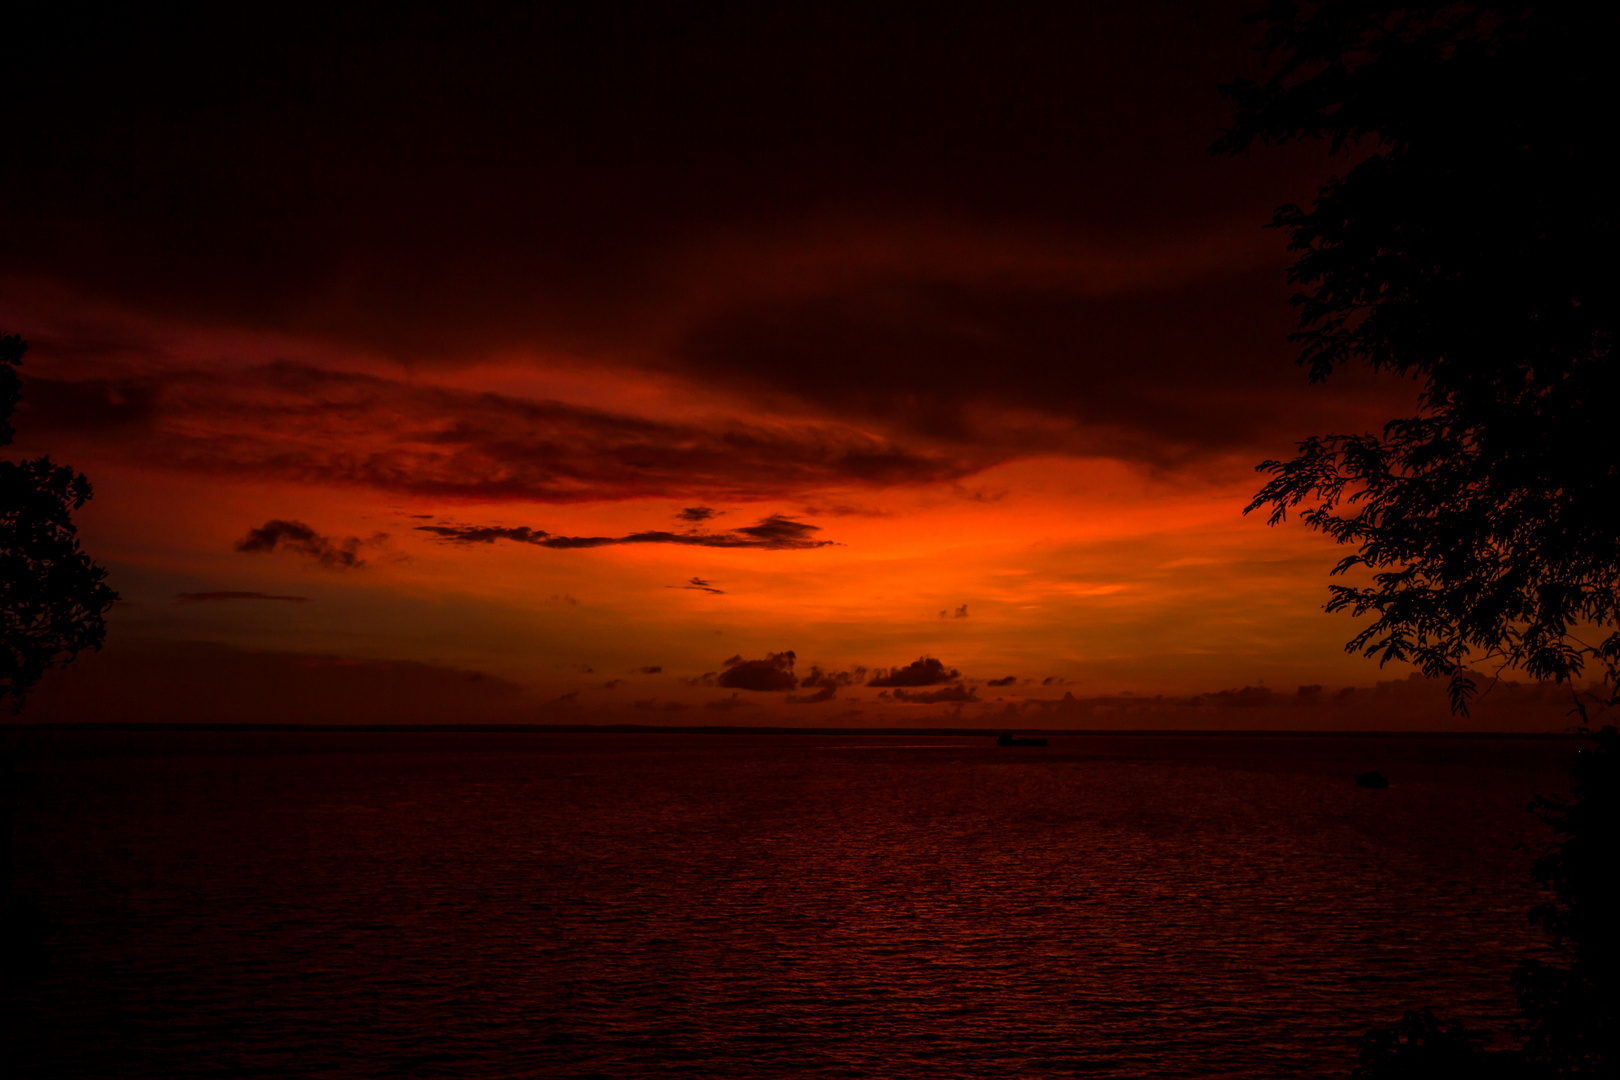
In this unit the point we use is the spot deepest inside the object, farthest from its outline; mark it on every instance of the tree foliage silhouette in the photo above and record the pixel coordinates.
(52, 596)
(1572, 1012)
(1468, 245)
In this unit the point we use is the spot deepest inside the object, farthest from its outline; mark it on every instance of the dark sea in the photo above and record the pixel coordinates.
(342, 904)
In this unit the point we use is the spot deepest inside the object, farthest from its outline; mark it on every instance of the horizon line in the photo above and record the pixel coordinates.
(763, 729)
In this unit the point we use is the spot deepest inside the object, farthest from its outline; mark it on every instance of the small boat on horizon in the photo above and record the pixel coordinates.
(1018, 740)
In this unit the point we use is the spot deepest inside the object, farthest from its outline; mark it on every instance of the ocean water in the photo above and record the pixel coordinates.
(328, 904)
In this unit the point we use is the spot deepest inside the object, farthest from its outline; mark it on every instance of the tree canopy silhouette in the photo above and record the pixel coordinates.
(52, 596)
(1468, 245)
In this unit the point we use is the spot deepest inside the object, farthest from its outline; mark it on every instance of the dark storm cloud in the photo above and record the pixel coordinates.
(1155, 373)
(775, 533)
(203, 597)
(924, 671)
(568, 176)
(278, 535)
(956, 694)
(295, 421)
(445, 180)
(775, 672)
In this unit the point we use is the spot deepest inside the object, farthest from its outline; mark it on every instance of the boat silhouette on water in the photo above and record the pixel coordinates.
(1017, 740)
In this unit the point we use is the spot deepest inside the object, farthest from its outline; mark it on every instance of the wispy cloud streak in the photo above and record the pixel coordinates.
(775, 533)
(300, 422)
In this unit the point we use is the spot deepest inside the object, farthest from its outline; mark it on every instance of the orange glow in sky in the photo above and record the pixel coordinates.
(543, 382)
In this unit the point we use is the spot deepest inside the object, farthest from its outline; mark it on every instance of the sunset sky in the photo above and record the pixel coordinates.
(578, 365)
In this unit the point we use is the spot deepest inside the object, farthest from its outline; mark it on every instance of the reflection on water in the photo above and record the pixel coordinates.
(351, 905)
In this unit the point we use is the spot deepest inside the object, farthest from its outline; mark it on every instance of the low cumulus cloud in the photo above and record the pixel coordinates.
(206, 597)
(961, 613)
(1005, 681)
(775, 672)
(827, 685)
(696, 515)
(924, 671)
(775, 533)
(295, 536)
(650, 669)
(957, 694)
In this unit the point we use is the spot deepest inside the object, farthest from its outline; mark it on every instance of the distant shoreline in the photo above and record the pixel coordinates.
(716, 729)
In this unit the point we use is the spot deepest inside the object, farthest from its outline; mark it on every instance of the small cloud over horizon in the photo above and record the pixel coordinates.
(924, 671)
(280, 535)
(775, 672)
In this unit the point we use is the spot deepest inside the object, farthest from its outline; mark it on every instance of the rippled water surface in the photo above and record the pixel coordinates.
(620, 905)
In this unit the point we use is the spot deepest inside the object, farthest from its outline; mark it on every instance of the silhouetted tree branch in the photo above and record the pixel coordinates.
(1468, 245)
(52, 596)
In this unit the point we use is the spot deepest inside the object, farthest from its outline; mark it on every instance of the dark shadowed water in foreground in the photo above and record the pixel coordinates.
(621, 905)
